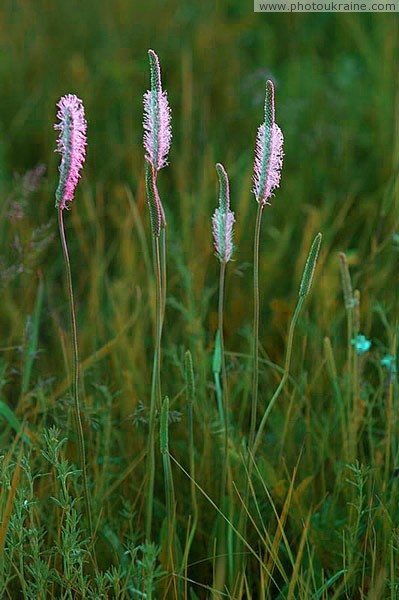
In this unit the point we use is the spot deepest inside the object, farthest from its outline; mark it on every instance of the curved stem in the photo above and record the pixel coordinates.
(75, 386)
(285, 376)
(255, 352)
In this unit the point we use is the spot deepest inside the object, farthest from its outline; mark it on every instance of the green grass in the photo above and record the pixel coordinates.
(321, 515)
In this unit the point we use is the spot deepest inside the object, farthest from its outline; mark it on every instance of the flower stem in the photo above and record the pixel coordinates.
(219, 582)
(163, 270)
(224, 377)
(156, 395)
(190, 396)
(255, 352)
(171, 517)
(75, 386)
(159, 320)
(255, 371)
(284, 378)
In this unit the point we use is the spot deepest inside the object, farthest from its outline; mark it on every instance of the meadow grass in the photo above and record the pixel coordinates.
(319, 490)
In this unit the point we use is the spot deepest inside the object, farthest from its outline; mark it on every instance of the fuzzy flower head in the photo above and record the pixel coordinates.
(268, 152)
(223, 219)
(157, 117)
(71, 144)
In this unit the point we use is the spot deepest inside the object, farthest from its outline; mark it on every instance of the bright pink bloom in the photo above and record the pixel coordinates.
(72, 146)
(157, 118)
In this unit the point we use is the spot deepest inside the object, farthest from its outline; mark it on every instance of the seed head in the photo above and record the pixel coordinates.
(310, 266)
(268, 152)
(157, 118)
(71, 144)
(223, 219)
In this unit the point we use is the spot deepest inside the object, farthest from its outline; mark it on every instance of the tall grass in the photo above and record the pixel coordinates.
(322, 486)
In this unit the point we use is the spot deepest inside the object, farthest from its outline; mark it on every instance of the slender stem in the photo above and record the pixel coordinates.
(340, 400)
(75, 386)
(192, 466)
(159, 320)
(221, 561)
(348, 390)
(284, 378)
(221, 334)
(170, 514)
(163, 270)
(255, 364)
(156, 394)
(253, 448)
(349, 316)
(193, 491)
(391, 416)
(255, 370)
(150, 470)
(224, 376)
(191, 449)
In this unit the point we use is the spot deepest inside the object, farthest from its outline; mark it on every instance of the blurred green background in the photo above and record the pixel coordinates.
(336, 101)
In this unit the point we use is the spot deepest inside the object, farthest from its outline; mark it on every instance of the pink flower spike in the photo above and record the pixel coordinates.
(157, 118)
(268, 152)
(71, 144)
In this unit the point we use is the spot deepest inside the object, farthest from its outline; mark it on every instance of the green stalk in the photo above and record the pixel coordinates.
(158, 322)
(349, 301)
(355, 378)
(332, 369)
(221, 337)
(163, 270)
(255, 370)
(304, 289)
(255, 351)
(390, 412)
(155, 390)
(216, 369)
(221, 562)
(190, 387)
(169, 487)
(75, 384)
(224, 377)
(285, 375)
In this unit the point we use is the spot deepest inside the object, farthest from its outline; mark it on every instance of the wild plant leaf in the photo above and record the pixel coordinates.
(9, 416)
(328, 584)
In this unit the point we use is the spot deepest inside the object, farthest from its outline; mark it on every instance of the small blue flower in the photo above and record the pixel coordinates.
(362, 344)
(389, 362)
